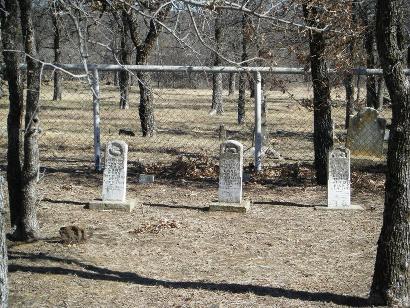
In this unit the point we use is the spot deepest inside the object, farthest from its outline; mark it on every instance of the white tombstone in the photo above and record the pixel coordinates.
(115, 171)
(338, 178)
(230, 178)
(114, 188)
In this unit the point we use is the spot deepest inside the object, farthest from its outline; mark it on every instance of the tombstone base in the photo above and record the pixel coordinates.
(242, 207)
(351, 207)
(126, 206)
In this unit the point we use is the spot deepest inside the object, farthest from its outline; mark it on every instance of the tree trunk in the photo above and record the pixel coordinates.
(391, 281)
(32, 126)
(217, 97)
(408, 57)
(146, 106)
(57, 56)
(246, 36)
(323, 131)
(349, 88)
(380, 93)
(265, 133)
(124, 83)
(4, 292)
(241, 98)
(251, 84)
(1, 85)
(124, 76)
(366, 12)
(116, 79)
(371, 91)
(231, 86)
(10, 26)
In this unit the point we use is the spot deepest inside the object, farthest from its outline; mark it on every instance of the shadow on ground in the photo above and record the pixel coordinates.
(98, 273)
(283, 203)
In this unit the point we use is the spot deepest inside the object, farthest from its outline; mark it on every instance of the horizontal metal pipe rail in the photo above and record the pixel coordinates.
(208, 69)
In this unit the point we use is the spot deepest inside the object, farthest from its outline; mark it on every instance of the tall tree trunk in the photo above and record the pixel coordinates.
(391, 280)
(4, 292)
(32, 126)
(241, 98)
(408, 57)
(323, 131)
(146, 106)
(264, 114)
(348, 78)
(371, 88)
(1, 84)
(380, 93)
(349, 88)
(367, 9)
(143, 48)
(116, 79)
(231, 86)
(9, 27)
(124, 76)
(217, 97)
(251, 84)
(246, 36)
(57, 55)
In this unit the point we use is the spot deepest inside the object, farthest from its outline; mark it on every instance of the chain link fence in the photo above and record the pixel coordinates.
(185, 127)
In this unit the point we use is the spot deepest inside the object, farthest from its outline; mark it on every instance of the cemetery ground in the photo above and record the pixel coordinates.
(170, 251)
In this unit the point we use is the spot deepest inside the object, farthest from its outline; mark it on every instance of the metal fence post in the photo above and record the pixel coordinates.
(258, 121)
(96, 120)
(3, 252)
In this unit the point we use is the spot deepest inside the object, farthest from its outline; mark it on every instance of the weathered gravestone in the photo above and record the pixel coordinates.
(115, 171)
(114, 189)
(230, 179)
(365, 134)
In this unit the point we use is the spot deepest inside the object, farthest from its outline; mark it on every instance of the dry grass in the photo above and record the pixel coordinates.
(171, 252)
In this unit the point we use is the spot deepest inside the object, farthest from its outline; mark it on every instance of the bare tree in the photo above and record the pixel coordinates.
(323, 140)
(57, 92)
(9, 28)
(349, 88)
(21, 176)
(367, 11)
(32, 126)
(391, 280)
(247, 32)
(232, 83)
(348, 77)
(125, 57)
(143, 49)
(217, 96)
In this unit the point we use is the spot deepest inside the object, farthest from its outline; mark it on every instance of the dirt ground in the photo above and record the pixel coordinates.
(172, 252)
